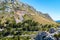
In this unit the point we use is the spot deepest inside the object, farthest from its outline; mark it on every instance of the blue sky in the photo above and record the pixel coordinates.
(52, 7)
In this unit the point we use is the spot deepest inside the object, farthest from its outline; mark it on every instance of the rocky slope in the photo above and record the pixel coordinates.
(22, 11)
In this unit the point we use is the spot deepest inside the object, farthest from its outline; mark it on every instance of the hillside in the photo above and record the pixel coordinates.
(20, 21)
(17, 10)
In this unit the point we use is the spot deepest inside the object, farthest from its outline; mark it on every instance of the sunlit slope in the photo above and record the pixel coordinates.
(31, 13)
(39, 18)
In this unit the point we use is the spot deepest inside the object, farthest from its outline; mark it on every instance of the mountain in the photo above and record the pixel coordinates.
(22, 11)
(58, 21)
(48, 17)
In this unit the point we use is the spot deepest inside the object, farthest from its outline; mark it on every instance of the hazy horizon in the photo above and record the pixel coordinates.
(46, 6)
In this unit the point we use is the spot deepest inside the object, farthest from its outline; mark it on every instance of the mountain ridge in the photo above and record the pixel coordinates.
(19, 8)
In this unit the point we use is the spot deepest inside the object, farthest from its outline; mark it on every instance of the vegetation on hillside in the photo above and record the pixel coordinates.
(32, 23)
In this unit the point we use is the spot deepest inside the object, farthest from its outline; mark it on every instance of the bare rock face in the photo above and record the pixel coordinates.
(52, 30)
(8, 5)
(20, 14)
(41, 36)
